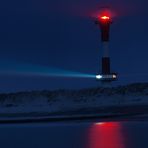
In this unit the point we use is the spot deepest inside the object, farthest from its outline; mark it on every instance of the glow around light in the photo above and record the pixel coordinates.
(105, 17)
(114, 76)
(100, 123)
(98, 76)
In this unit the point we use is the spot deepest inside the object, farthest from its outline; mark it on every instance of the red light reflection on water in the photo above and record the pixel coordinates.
(106, 135)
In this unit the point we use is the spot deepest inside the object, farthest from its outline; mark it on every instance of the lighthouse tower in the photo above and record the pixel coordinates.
(104, 22)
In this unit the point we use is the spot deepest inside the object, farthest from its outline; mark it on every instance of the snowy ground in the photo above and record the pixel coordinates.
(130, 99)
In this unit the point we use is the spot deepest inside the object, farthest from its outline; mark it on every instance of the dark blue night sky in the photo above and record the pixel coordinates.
(53, 33)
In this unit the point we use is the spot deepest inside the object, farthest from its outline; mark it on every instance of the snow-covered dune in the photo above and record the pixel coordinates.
(133, 98)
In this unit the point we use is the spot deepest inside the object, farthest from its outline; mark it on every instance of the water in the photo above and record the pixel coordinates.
(76, 135)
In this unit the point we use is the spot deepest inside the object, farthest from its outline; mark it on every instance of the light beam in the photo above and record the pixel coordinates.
(21, 69)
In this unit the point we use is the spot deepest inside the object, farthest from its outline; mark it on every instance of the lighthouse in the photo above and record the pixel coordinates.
(104, 22)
